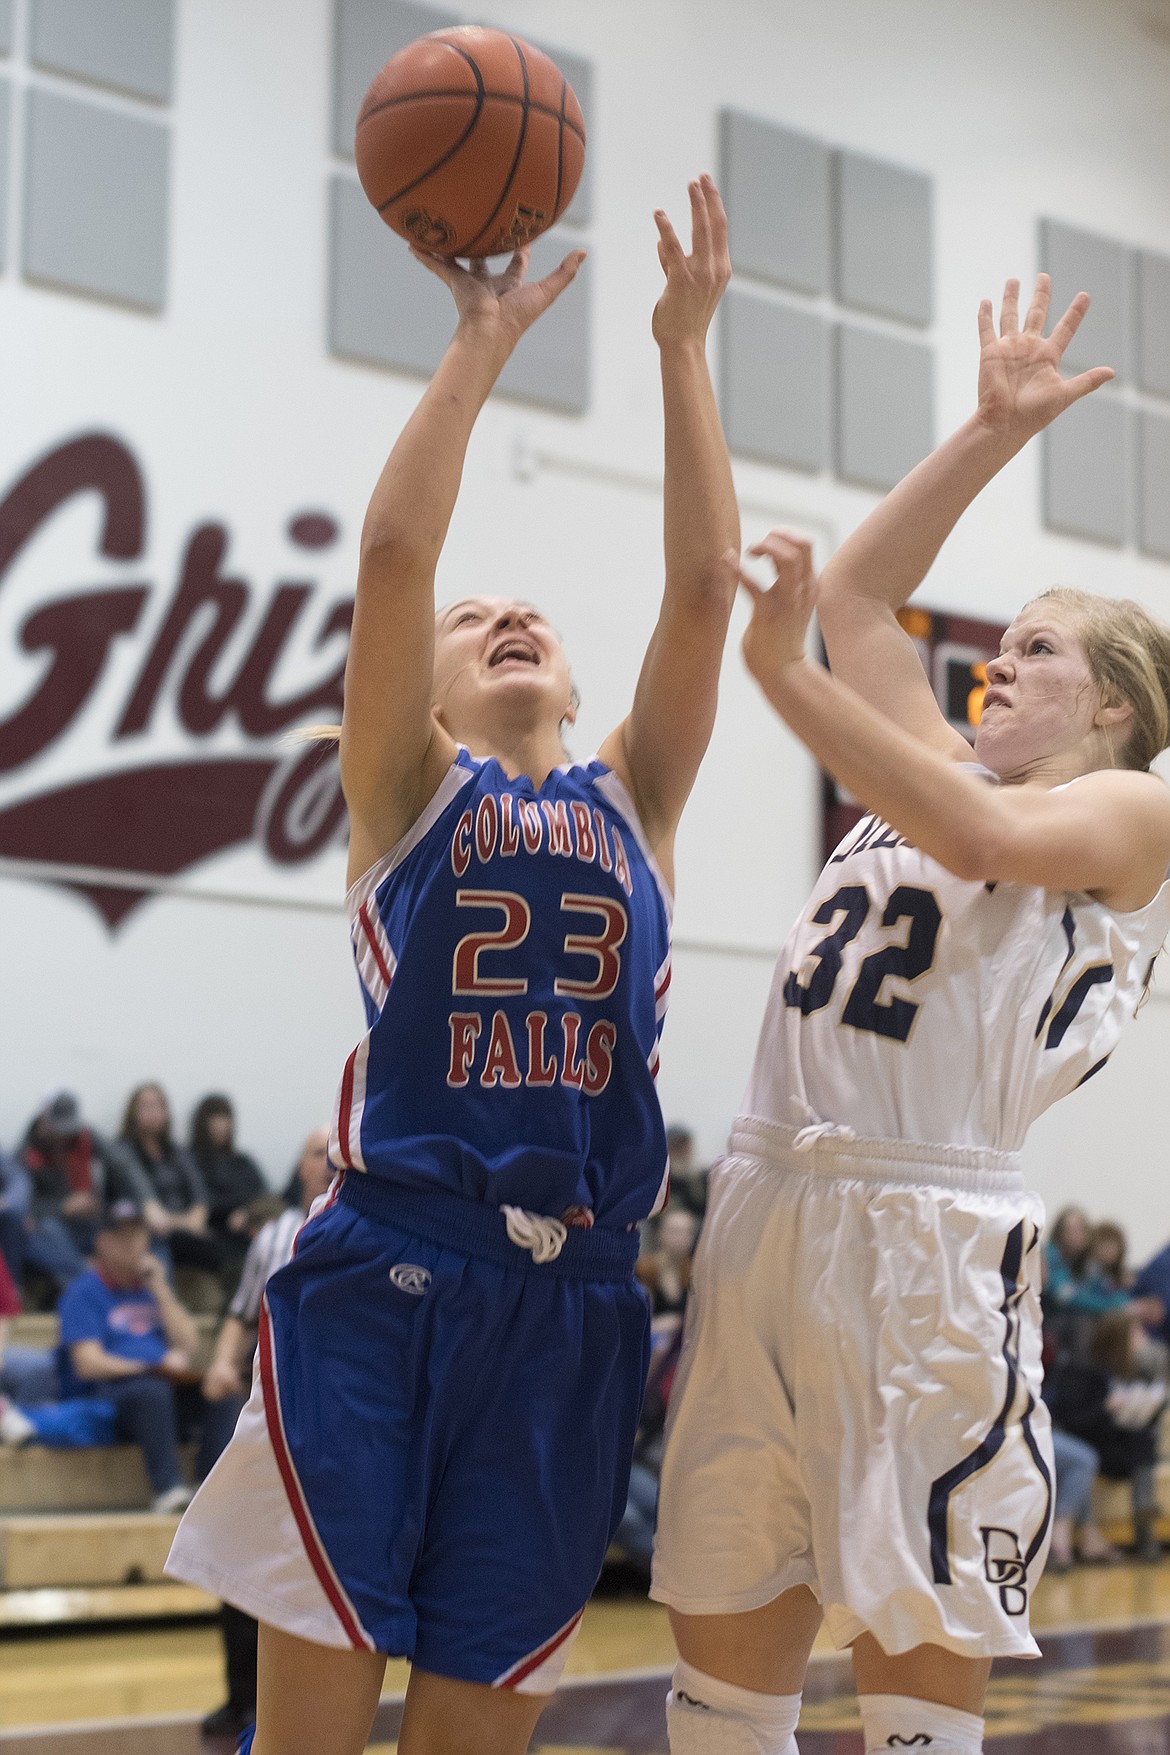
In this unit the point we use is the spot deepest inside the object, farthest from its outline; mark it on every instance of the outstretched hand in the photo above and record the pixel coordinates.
(781, 612)
(1020, 387)
(504, 304)
(695, 283)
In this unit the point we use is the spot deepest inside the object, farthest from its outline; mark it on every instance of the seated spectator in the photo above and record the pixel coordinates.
(1075, 1534)
(634, 1536)
(316, 1149)
(232, 1179)
(148, 1168)
(1077, 1291)
(1108, 1248)
(65, 1163)
(1153, 1282)
(1104, 1400)
(688, 1178)
(15, 1427)
(224, 1380)
(15, 1201)
(27, 1374)
(127, 1340)
(666, 1270)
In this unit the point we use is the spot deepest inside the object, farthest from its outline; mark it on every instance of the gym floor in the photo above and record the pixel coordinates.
(1101, 1688)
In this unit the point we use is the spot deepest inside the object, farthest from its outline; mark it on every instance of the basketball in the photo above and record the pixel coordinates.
(470, 142)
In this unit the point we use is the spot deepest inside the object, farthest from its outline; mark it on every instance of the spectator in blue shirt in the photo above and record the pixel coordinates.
(1153, 1282)
(126, 1338)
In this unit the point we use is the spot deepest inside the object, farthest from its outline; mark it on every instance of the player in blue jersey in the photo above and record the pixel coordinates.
(437, 1448)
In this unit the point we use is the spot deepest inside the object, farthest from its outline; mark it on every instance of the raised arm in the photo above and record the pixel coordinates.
(392, 752)
(877, 569)
(1108, 834)
(658, 748)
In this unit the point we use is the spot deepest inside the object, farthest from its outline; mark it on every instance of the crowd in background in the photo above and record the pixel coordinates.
(110, 1233)
(1106, 1364)
(123, 1238)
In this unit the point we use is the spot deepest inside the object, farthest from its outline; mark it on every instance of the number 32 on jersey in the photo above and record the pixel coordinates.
(811, 988)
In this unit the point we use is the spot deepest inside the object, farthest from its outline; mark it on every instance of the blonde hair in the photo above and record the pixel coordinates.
(1128, 651)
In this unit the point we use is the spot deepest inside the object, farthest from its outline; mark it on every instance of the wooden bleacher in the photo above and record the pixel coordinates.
(78, 1540)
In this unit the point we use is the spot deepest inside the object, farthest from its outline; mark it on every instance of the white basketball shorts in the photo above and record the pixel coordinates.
(857, 1407)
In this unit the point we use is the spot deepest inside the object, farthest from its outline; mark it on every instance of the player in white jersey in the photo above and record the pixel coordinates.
(856, 1431)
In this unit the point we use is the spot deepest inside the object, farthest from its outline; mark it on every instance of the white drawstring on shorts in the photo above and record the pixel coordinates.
(544, 1238)
(807, 1137)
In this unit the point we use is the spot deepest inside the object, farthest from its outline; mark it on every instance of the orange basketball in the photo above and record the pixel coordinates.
(470, 142)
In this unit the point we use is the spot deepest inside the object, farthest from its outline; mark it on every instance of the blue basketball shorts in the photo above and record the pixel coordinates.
(436, 1451)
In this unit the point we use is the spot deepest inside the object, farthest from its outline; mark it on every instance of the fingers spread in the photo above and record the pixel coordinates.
(716, 214)
(1009, 312)
(669, 248)
(987, 335)
(1038, 310)
(440, 265)
(1087, 382)
(700, 223)
(1064, 331)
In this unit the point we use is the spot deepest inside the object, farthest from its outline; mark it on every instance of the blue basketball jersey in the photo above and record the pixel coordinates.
(514, 956)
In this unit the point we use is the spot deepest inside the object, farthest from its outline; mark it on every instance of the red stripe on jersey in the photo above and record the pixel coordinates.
(345, 1111)
(331, 1195)
(371, 939)
(318, 1559)
(664, 985)
(514, 1677)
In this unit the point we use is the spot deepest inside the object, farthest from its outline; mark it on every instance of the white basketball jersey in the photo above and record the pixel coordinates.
(911, 1004)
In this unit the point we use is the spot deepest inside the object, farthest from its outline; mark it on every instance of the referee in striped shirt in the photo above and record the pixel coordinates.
(270, 1249)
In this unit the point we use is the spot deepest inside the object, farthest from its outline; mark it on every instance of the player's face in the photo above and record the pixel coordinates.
(496, 656)
(1041, 697)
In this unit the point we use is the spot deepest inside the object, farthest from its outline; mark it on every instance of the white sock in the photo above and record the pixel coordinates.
(898, 1721)
(705, 1716)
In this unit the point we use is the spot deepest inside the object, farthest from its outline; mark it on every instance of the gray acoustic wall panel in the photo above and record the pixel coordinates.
(385, 310)
(5, 149)
(95, 202)
(579, 73)
(884, 238)
(1153, 322)
(776, 184)
(1084, 262)
(128, 44)
(5, 27)
(1084, 471)
(551, 364)
(885, 406)
(366, 34)
(1153, 438)
(775, 381)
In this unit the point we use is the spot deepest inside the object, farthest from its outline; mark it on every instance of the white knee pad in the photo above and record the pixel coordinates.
(897, 1721)
(705, 1716)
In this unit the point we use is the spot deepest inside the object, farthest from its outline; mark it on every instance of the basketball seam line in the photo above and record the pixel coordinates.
(560, 148)
(452, 150)
(467, 248)
(499, 97)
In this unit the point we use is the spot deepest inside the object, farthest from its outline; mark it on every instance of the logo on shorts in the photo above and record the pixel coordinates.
(918, 1742)
(409, 1278)
(1004, 1566)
